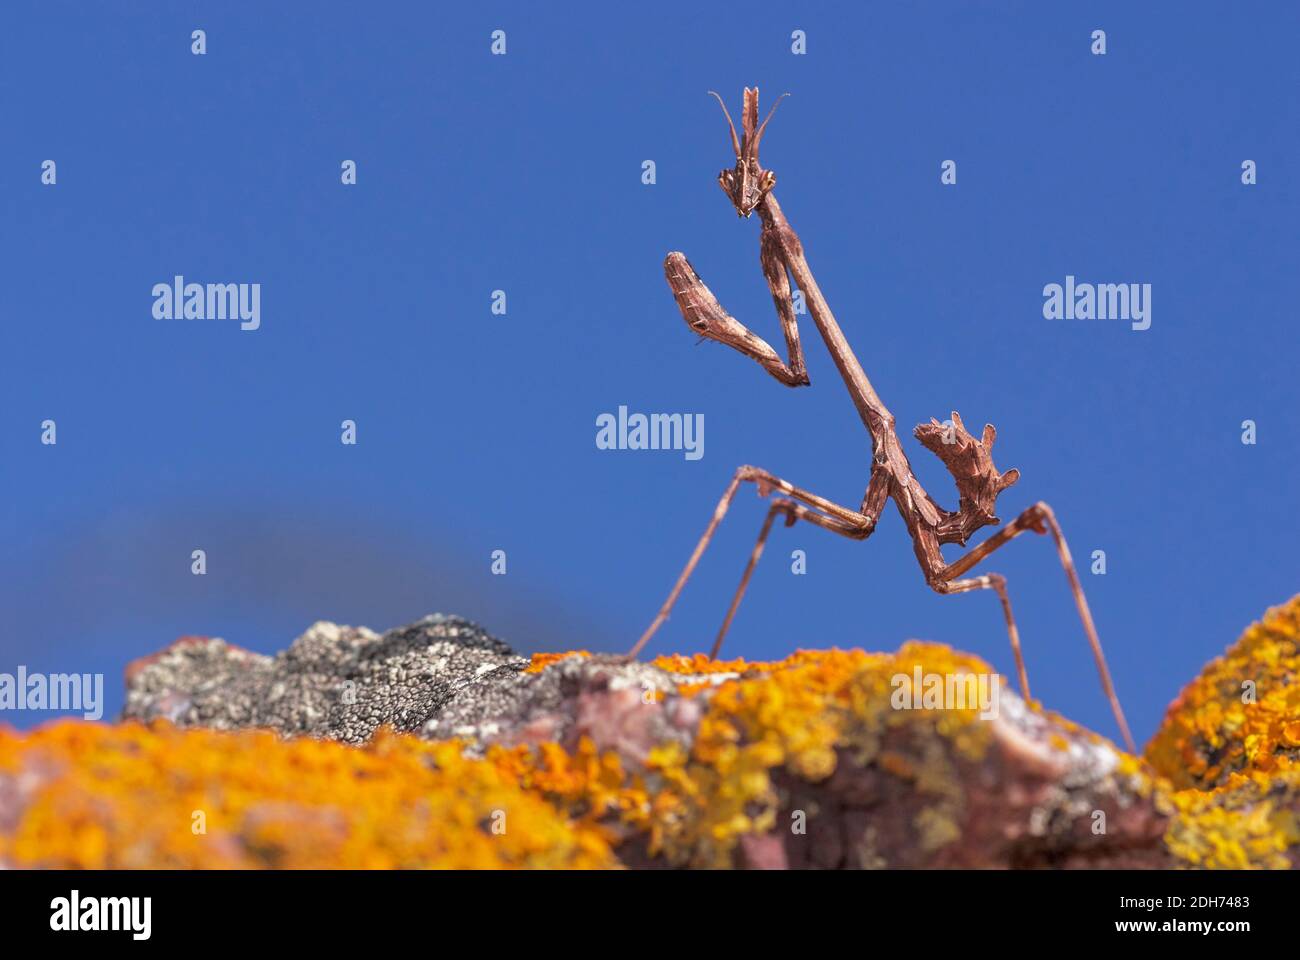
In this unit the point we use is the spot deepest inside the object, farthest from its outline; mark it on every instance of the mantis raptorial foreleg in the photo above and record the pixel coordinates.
(706, 316)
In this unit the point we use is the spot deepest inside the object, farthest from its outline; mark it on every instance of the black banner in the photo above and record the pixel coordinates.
(335, 909)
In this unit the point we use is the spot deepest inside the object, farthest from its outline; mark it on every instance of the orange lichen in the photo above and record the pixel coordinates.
(541, 661)
(1251, 821)
(1242, 714)
(136, 796)
(1230, 746)
(699, 664)
(95, 795)
(829, 706)
(802, 715)
(127, 796)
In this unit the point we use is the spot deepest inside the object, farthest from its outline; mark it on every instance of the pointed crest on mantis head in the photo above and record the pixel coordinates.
(747, 183)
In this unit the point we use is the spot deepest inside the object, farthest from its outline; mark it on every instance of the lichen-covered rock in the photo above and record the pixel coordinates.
(99, 796)
(1231, 742)
(342, 683)
(1252, 821)
(588, 760)
(810, 761)
(1242, 713)
(617, 704)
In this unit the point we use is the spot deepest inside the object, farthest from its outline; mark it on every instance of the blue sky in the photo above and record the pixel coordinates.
(523, 173)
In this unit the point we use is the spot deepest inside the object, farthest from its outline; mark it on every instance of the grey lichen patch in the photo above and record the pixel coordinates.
(337, 682)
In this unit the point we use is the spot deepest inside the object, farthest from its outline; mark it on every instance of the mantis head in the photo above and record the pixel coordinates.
(747, 183)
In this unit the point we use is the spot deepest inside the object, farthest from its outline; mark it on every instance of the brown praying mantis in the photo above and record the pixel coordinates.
(749, 188)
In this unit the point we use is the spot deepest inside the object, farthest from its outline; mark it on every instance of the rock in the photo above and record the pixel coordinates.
(341, 683)
(802, 762)
(1242, 713)
(126, 796)
(616, 704)
(1231, 742)
(826, 759)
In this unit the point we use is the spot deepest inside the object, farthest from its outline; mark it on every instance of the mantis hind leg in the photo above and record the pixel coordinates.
(1040, 519)
(825, 513)
(793, 511)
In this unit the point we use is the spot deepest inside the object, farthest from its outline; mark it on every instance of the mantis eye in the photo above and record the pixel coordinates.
(725, 180)
(769, 179)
